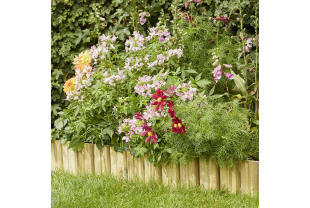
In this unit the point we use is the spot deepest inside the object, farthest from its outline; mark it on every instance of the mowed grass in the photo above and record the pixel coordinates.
(107, 191)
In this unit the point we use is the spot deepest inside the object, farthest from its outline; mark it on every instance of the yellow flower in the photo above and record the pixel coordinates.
(69, 85)
(84, 59)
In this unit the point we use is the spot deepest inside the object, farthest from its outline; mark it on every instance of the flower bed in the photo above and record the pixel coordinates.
(159, 97)
(243, 179)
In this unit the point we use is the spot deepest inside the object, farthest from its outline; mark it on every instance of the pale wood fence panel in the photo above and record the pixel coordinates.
(244, 178)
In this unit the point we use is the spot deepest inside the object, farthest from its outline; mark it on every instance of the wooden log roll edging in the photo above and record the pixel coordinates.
(244, 179)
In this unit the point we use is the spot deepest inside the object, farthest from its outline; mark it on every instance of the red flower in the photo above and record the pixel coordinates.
(186, 4)
(171, 91)
(171, 110)
(152, 137)
(177, 126)
(139, 116)
(222, 18)
(160, 102)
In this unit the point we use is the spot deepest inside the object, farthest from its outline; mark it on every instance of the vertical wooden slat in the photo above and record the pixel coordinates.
(253, 176)
(118, 163)
(193, 173)
(53, 156)
(184, 180)
(244, 177)
(209, 174)
(204, 174)
(170, 174)
(58, 152)
(73, 161)
(106, 159)
(224, 179)
(65, 156)
(235, 187)
(81, 166)
(114, 161)
(89, 158)
(157, 172)
(130, 166)
(139, 168)
(122, 164)
(98, 160)
(214, 175)
(147, 169)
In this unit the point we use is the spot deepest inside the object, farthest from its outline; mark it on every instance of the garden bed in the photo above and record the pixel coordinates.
(244, 179)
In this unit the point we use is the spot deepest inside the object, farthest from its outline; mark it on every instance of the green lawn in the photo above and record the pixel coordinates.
(107, 191)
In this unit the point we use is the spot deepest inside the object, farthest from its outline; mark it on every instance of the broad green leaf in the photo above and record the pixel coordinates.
(59, 123)
(197, 78)
(191, 71)
(211, 91)
(203, 83)
(109, 131)
(99, 144)
(240, 83)
(79, 127)
(76, 144)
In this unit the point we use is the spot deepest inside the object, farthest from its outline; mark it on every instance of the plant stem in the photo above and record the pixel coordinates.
(245, 62)
(256, 67)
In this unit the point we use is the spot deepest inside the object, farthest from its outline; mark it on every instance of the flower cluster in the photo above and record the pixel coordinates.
(131, 64)
(217, 72)
(186, 91)
(111, 79)
(135, 43)
(146, 83)
(103, 48)
(141, 17)
(159, 31)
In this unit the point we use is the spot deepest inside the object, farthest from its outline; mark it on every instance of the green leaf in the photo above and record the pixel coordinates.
(76, 144)
(109, 131)
(191, 71)
(99, 145)
(240, 83)
(79, 127)
(211, 91)
(197, 78)
(132, 151)
(59, 123)
(203, 83)
(63, 140)
(57, 73)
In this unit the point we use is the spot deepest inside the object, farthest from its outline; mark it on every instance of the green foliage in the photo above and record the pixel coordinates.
(214, 130)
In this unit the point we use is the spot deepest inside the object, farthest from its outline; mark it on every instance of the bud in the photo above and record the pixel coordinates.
(244, 15)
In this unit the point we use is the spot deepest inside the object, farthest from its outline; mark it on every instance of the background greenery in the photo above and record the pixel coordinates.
(76, 27)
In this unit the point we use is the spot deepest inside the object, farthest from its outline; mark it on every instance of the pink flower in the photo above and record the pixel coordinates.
(142, 21)
(249, 42)
(171, 90)
(187, 3)
(218, 68)
(152, 137)
(246, 49)
(228, 65)
(161, 39)
(167, 34)
(229, 76)
(215, 62)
